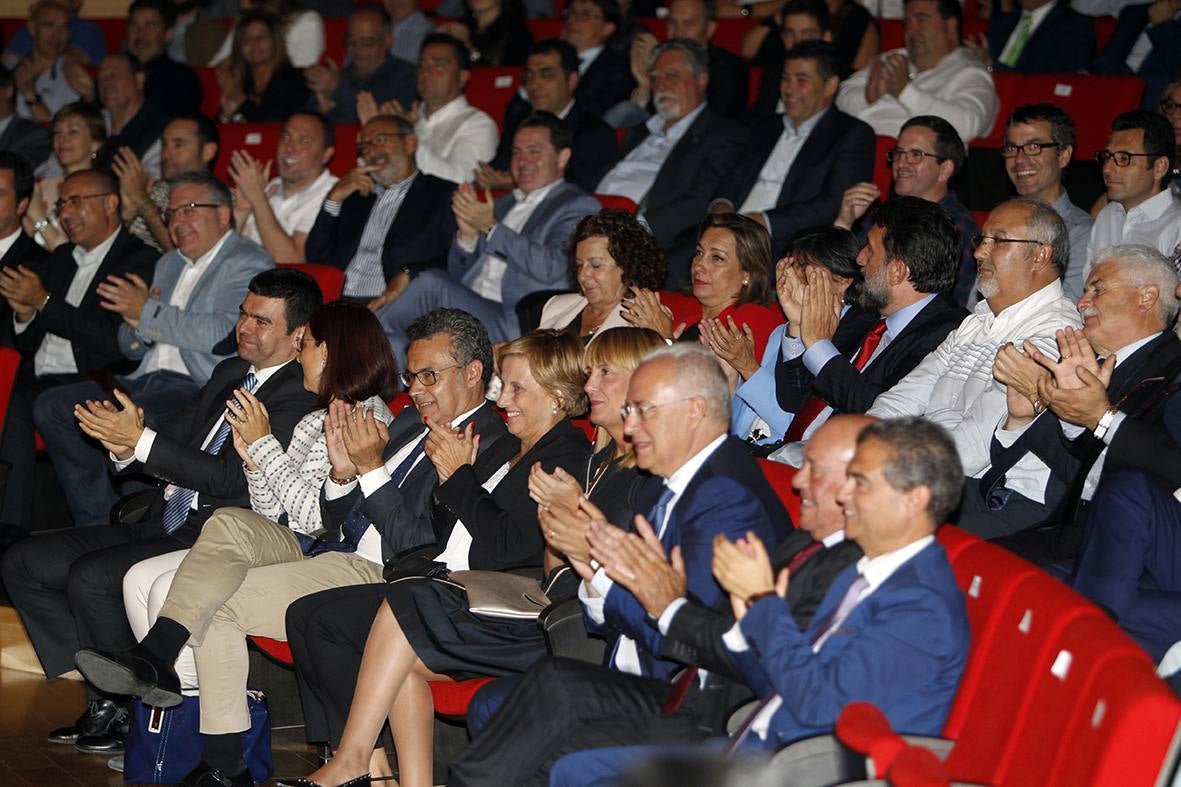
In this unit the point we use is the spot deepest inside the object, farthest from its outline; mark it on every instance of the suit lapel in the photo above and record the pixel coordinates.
(812, 152)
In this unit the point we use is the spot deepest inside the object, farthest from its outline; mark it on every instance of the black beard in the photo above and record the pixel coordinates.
(869, 301)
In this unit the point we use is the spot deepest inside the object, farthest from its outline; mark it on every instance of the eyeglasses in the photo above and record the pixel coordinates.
(912, 156)
(377, 140)
(427, 377)
(185, 211)
(1031, 149)
(584, 15)
(979, 240)
(644, 411)
(1168, 107)
(1122, 157)
(75, 201)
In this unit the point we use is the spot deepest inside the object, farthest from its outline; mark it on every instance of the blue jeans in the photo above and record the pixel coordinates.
(79, 461)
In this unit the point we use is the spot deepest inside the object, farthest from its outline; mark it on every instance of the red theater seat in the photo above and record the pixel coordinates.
(10, 361)
(883, 176)
(331, 280)
(260, 140)
(1092, 101)
(491, 89)
(780, 475)
(619, 203)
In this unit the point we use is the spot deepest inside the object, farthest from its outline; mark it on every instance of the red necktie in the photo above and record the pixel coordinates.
(805, 553)
(814, 406)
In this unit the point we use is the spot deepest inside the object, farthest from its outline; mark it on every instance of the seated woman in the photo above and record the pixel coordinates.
(303, 32)
(258, 83)
(609, 253)
(494, 31)
(79, 132)
(405, 649)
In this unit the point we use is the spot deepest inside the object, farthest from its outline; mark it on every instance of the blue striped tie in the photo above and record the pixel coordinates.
(356, 523)
(176, 510)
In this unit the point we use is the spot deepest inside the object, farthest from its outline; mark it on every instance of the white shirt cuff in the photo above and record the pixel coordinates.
(19, 327)
(468, 246)
(792, 347)
(592, 604)
(602, 583)
(143, 446)
(334, 491)
(373, 480)
(664, 623)
(332, 207)
(735, 640)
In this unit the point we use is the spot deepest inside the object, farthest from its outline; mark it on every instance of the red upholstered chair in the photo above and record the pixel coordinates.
(345, 158)
(335, 28)
(1008, 91)
(260, 140)
(10, 361)
(619, 203)
(980, 216)
(1104, 27)
(1093, 101)
(954, 540)
(729, 33)
(211, 93)
(490, 89)
(542, 29)
(399, 403)
(883, 176)
(780, 475)
(752, 85)
(331, 280)
(893, 34)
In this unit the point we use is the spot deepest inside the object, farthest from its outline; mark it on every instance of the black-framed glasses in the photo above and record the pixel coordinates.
(644, 411)
(1122, 158)
(185, 211)
(75, 200)
(1168, 106)
(1031, 149)
(427, 377)
(912, 156)
(979, 240)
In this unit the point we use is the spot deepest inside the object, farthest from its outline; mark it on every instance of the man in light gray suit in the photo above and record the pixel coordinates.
(504, 250)
(179, 329)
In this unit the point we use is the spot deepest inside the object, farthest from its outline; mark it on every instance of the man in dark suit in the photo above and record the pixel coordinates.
(1040, 37)
(19, 135)
(135, 123)
(891, 630)
(796, 167)
(677, 416)
(675, 162)
(909, 264)
(550, 82)
(1157, 25)
(68, 586)
(16, 189)
(53, 314)
(384, 222)
(605, 76)
(171, 87)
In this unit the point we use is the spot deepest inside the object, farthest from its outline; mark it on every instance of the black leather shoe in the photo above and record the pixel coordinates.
(93, 721)
(204, 775)
(135, 672)
(110, 742)
(360, 781)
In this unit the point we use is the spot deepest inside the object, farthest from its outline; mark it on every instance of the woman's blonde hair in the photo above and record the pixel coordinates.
(555, 361)
(624, 348)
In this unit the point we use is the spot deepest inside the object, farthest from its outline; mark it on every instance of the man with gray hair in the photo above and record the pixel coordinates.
(1021, 256)
(179, 328)
(1060, 418)
(673, 164)
(677, 414)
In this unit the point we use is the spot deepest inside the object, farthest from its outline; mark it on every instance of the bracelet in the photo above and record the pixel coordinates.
(44, 302)
(341, 481)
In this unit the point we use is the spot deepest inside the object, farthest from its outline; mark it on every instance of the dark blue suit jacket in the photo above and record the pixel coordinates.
(1063, 43)
(1162, 63)
(730, 495)
(903, 648)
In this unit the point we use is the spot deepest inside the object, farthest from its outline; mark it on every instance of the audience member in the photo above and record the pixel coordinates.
(1039, 143)
(258, 83)
(1137, 163)
(20, 135)
(176, 329)
(504, 249)
(67, 586)
(1037, 37)
(79, 133)
(933, 75)
(802, 20)
(371, 68)
(85, 38)
(363, 228)
(928, 155)
(58, 320)
(16, 188)
(550, 81)
(796, 168)
(1146, 42)
(1021, 256)
(172, 87)
(675, 162)
(133, 123)
(494, 31)
(410, 27)
(850, 27)
(48, 76)
(300, 29)
(604, 73)
(279, 213)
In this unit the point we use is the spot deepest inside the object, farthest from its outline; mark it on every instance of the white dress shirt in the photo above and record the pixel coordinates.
(7, 243)
(1155, 222)
(487, 283)
(295, 212)
(765, 193)
(633, 177)
(453, 140)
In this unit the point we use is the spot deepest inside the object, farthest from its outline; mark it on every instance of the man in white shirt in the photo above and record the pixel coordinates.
(279, 213)
(1021, 256)
(933, 75)
(505, 249)
(50, 76)
(1140, 208)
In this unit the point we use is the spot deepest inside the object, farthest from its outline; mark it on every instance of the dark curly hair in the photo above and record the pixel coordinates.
(631, 246)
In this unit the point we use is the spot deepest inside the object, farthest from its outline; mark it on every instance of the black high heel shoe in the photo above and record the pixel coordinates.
(360, 781)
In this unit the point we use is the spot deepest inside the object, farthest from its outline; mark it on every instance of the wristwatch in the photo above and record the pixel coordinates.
(1104, 423)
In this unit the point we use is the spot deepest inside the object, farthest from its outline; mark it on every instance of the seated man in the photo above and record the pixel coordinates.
(623, 708)
(84, 37)
(1038, 37)
(57, 317)
(604, 74)
(68, 586)
(410, 26)
(1021, 257)
(928, 155)
(176, 329)
(1039, 143)
(171, 87)
(279, 214)
(505, 249)
(134, 123)
(385, 221)
(17, 134)
(1146, 42)
(933, 75)
(796, 167)
(802, 20)
(370, 68)
(48, 74)
(550, 82)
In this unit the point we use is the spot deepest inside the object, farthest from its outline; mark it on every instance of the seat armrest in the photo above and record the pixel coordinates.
(566, 635)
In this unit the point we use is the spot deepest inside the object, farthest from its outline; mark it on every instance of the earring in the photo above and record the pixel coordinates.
(554, 410)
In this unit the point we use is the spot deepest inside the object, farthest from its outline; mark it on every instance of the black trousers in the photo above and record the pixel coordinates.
(68, 588)
(327, 633)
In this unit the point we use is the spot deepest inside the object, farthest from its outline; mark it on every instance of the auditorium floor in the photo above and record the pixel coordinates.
(30, 706)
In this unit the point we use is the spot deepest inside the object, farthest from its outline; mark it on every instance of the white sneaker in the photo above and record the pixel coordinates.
(116, 763)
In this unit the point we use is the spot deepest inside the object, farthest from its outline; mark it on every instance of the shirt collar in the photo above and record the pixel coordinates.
(897, 322)
(1038, 14)
(681, 477)
(1123, 353)
(833, 538)
(677, 130)
(877, 570)
(805, 128)
(1030, 303)
(535, 196)
(262, 375)
(1155, 206)
(282, 191)
(86, 258)
(209, 255)
(457, 104)
(404, 183)
(562, 115)
(587, 56)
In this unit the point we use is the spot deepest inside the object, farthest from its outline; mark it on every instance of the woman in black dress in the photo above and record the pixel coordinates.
(495, 32)
(258, 83)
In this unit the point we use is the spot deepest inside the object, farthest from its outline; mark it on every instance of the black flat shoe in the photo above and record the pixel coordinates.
(94, 721)
(204, 775)
(110, 742)
(360, 781)
(134, 672)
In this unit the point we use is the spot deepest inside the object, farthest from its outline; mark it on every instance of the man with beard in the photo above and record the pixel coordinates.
(901, 314)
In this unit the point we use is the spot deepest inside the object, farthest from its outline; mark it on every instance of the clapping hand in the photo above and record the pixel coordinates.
(564, 530)
(472, 213)
(125, 295)
(743, 569)
(855, 202)
(365, 438)
(553, 490)
(637, 562)
(338, 455)
(732, 343)
(644, 310)
(23, 290)
(450, 449)
(1020, 374)
(117, 429)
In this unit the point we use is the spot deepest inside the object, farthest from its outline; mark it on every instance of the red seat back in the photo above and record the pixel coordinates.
(1092, 101)
(331, 280)
(883, 176)
(211, 92)
(277, 649)
(260, 140)
(1008, 92)
(780, 475)
(335, 28)
(729, 33)
(954, 540)
(619, 203)
(542, 29)
(490, 89)
(893, 34)
(345, 158)
(1104, 27)
(399, 403)
(10, 361)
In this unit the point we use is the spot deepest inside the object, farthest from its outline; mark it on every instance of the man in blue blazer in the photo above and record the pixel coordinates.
(1160, 22)
(1060, 41)
(891, 630)
(178, 329)
(506, 249)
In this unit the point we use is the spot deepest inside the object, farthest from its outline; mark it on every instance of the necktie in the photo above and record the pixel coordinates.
(176, 510)
(812, 408)
(798, 559)
(356, 523)
(1024, 28)
(852, 596)
(656, 516)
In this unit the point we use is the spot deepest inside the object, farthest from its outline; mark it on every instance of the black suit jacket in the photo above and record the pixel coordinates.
(606, 82)
(1162, 63)
(838, 153)
(24, 251)
(695, 632)
(402, 514)
(729, 83)
(1063, 43)
(172, 87)
(793, 381)
(690, 176)
(91, 330)
(419, 237)
(176, 456)
(27, 138)
(139, 134)
(591, 153)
